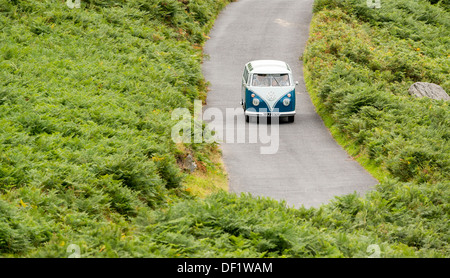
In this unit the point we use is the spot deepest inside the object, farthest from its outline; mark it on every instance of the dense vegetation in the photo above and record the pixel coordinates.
(366, 59)
(86, 155)
(359, 65)
(85, 112)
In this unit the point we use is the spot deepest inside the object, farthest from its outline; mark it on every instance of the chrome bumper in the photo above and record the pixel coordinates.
(269, 114)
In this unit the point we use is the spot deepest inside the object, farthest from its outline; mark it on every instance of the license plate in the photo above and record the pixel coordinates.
(271, 114)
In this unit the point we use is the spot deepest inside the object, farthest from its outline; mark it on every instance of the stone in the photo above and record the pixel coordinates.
(189, 163)
(430, 90)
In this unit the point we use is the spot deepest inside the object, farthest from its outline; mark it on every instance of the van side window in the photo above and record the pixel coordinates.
(245, 75)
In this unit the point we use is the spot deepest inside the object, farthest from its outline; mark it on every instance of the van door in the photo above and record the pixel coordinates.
(245, 77)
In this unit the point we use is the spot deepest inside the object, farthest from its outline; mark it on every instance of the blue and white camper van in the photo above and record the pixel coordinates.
(268, 90)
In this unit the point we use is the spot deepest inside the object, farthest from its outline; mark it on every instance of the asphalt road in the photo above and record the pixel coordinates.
(297, 162)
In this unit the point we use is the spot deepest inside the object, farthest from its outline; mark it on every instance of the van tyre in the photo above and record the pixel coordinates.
(291, 119)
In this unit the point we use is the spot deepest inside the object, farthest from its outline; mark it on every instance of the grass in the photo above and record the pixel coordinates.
(359, 64)
(350, 147)
(209, 175)
(361, 93)
(85, 107)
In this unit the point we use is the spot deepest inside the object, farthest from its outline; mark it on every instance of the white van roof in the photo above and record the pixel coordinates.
(268, 66)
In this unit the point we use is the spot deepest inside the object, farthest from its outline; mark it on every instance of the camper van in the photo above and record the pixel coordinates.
(268, 90)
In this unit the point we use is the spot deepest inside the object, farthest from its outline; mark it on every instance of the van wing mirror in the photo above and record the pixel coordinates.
(296, 83)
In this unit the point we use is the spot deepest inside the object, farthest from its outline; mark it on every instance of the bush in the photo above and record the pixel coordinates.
(85, 107)
(367, 97)
(359, 65)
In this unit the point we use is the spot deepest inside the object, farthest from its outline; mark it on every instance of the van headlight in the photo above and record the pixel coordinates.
(286, 101)
(255, 102)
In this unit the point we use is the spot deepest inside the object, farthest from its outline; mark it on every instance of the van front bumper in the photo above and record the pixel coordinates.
(269, 114)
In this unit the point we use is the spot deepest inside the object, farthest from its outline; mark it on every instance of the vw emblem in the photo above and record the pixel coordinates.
(271, 96)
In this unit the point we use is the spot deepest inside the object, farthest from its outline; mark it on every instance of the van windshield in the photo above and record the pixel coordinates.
(268, 80)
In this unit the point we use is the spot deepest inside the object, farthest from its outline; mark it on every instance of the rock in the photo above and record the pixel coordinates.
(189, 163)
(430, 90)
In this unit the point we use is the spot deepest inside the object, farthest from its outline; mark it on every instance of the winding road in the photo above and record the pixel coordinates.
(307, 168)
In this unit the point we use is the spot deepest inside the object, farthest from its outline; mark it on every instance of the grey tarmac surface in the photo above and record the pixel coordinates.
(308, 167)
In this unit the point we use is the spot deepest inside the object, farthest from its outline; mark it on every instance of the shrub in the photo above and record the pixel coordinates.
(362, 86)
(85, 107)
